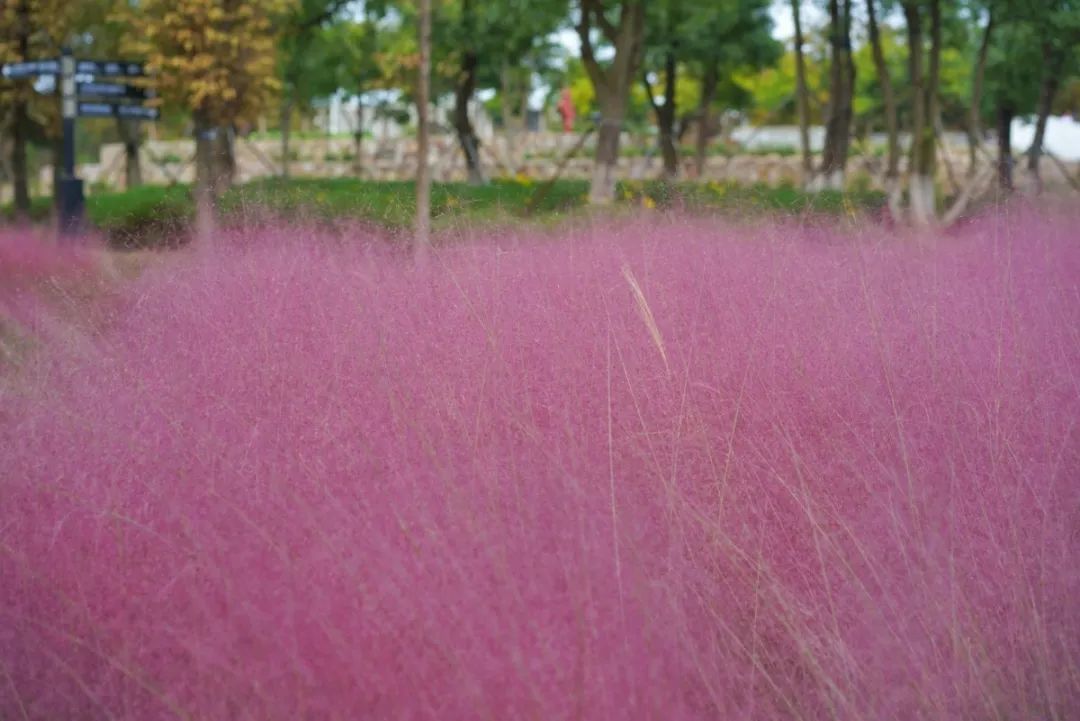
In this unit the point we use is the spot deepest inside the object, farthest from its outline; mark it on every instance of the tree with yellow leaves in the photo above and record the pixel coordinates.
(216, 58)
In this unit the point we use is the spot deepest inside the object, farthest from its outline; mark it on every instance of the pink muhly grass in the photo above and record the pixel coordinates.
(663, 470)
(26, 256)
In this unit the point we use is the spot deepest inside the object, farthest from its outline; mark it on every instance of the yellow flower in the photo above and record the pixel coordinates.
(648, 202)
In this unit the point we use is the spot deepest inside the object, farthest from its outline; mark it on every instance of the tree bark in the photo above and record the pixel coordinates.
(210, 173)
(668, 111)
(841, 87)
(464, 89)
(286, 134)
(1005, 160)
(802, 101)
(612, 84)
(973, 130)
(129, 135)
(709, 84)
(924, 111)
(892, 170)
(21, 119)
(1051, 78)
(509, 128)
(226, 153)
(358, 140)
(423, 171)
(665, 116)
(602, 186)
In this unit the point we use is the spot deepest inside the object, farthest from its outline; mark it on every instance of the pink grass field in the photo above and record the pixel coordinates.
(664, 469)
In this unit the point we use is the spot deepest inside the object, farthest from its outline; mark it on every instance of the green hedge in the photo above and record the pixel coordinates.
(161, 215)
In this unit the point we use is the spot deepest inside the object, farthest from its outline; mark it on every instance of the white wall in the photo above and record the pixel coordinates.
(1062, 136)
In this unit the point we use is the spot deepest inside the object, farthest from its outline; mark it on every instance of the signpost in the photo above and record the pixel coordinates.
(17, 71)
(107, 110)
(110, 69)
(103, 100)
(113, 90)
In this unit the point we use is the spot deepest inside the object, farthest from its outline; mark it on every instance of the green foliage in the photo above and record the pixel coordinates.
(147, 215)
(732, 198)
(1013, 70)
(40, 210)
(160, 215)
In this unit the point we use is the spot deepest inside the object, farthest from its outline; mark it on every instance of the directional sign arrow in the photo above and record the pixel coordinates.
(108, 110)
(114, 90)
(15, 71)
(110, 68)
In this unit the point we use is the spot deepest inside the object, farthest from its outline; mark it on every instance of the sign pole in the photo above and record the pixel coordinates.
(70, 192)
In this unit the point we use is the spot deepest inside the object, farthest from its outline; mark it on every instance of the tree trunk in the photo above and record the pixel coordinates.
(1005, 160)
(210, 171)
(226, 153)
(464, 89)
(423, 171)
(665, 117)
(709, 84)
(612, 85)
(973, 130)
(129, 135)
(286, 133)
(21, 120)
(924, 94)
(1052, 66)
(602, 188)
(507, 114)
(841, 87)
(802, 101)
(358, 140)
(926, 168)
(526, 88)
(892, 169)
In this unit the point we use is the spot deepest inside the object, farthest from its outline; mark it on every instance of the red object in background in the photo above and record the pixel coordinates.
(566, 110)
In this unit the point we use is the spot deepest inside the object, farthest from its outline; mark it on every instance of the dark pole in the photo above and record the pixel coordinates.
(70, 191)
(68, 110)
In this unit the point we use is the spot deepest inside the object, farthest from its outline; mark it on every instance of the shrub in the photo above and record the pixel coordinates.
(148, 215)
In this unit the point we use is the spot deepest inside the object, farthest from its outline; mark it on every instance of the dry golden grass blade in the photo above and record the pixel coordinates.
(646, 314)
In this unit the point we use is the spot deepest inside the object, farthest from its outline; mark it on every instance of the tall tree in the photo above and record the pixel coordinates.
(1058, 25)
(666, 27)
(802, 98)
(721, 41)
(216, 57)
(351, 48)
(841, 92)
(892, 169)
(924, 86)
(20, 116)
(1013, 80)
(611, 81)
(977, 78)
(310, 62)
(423, 170)
(30, 30)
